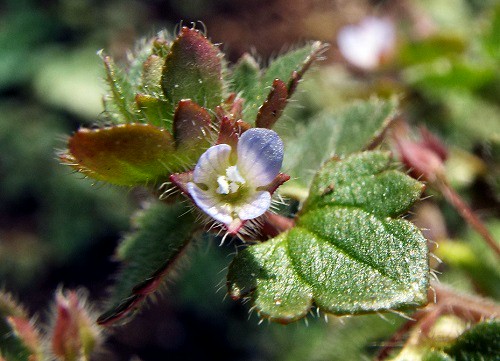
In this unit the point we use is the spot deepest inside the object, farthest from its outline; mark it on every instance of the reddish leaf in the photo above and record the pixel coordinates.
(273, 107)
(27, 332)
(193, 70)
(317, 49)
(128, 154)
(191, 126)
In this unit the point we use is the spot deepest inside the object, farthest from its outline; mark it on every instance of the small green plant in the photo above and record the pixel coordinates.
(318, 211)
(186, 126)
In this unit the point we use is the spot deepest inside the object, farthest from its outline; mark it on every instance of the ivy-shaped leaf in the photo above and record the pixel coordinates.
(148, 254)
(347, 254)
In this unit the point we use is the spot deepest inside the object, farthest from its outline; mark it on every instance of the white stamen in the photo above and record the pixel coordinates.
(223, 185)
(231, 182)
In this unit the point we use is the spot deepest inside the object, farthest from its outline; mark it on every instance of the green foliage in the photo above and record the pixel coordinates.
(119, 104)
(125, 155)
(431, 48)
(193, 70)
(351, 130)
(245, 78)
(491, 37)
(148, 254)
(345, 253)
(475, 258)
(255, 87)
(481, 342)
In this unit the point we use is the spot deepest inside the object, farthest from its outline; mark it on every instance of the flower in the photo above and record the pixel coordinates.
(367, 44)
(233, 186)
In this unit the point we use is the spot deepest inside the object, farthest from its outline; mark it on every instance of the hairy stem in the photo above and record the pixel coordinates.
(467, 213)
(443, 300)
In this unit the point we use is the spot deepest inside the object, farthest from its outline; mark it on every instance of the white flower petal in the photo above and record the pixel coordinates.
(260, 156)
(365, 44)
(209, 204)
(212, 163)
(255, 206)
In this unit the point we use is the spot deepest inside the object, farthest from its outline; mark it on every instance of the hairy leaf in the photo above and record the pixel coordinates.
(151, 74)
(481, 342)
(245, 81)
(273, 107)
(191, 127)
(154, 111)
(357, 127)
(120, 102)
(347, 253)
(12, 347)
(288, 68)
(293, 61)
(128, 154)
(193, 70)
(148, 255)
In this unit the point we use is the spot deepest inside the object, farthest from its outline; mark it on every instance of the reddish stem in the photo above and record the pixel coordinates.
(468, 214)
(448, 301)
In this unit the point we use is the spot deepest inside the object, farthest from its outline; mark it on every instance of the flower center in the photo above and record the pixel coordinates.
(231, 182)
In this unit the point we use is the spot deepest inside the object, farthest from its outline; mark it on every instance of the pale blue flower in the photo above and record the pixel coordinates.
(235, 186)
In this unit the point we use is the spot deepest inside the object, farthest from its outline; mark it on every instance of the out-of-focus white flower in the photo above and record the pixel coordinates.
(367, 44)
(233, 186)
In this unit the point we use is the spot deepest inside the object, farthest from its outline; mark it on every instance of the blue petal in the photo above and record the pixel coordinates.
(211, 164)
(260, 156)
(255, 206)
(209, 204)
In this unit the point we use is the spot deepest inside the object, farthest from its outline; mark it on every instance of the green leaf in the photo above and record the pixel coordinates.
(473, 256)
(462, 106)
(148, 254)
(128, 154)
(431, 48)
(288, 67)
(193, 70)
(481, 342)
(491, 39)
(443, 75)
(151, 74)
(283, 66)
(120, 102)
(154, 111)
(346, 254)
(245, 81)
(357, 127)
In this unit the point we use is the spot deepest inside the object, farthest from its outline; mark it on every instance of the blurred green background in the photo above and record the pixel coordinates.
(59, 229)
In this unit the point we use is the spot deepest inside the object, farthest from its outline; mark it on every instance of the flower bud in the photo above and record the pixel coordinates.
(424, 158)
(74, 336)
